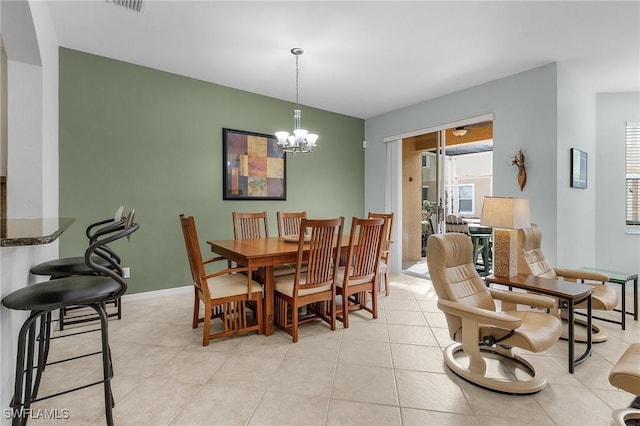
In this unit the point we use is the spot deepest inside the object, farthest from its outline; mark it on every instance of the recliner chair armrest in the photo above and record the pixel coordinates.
(482, 316)
(574, 275)
(528, 299)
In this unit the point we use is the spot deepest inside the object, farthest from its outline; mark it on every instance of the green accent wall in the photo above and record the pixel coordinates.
(152, 141)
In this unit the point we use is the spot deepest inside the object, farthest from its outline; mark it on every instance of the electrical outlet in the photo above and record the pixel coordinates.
(127, 272)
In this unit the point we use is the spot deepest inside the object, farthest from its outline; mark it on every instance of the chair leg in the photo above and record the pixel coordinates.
(22, 394)
(345, 309)
(61, 319)
(196, 310)
(294, 323)
(44, 341)
(332, 304)
(374, 302)
(386, 283)
(106, 362)
(118, 303)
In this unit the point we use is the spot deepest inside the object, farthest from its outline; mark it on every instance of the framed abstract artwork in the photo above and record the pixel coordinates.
(579, 161)
(253, 167)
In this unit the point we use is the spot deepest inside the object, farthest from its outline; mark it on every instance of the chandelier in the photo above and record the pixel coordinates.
(301, 140)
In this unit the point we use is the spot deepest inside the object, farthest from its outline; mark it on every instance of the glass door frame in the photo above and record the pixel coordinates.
(393, 184)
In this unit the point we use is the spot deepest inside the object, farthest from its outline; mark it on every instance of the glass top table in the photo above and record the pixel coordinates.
(621, 278)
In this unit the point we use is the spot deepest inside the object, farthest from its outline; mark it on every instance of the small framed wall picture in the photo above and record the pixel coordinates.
(579, 162)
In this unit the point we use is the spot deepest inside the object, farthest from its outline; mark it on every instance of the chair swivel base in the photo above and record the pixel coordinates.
(620, 417)
(536, 383)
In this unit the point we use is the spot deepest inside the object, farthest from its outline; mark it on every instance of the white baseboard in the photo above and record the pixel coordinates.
(156, 293)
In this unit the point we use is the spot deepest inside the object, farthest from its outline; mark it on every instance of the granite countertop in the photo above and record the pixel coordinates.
(29, 232)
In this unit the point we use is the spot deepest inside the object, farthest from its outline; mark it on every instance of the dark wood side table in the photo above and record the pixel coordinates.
(570, 293)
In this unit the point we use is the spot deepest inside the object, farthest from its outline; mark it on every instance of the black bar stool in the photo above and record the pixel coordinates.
(91, 291)
(69, 266)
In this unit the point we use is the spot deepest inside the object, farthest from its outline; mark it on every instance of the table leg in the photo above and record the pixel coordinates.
(587, 352)
(624, 305)
(570, 340)
(635, 299)
(268, 301)
(589, 322)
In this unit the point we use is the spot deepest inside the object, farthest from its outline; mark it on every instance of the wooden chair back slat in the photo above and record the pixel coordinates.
(289, 222)
(250, 225)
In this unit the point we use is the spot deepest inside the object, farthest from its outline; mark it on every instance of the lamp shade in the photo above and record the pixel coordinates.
(506, 212)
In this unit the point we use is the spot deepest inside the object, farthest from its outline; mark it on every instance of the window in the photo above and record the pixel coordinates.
(632, 175)
(465, 199)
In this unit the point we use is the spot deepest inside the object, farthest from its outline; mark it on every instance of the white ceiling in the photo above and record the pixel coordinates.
(362, 58)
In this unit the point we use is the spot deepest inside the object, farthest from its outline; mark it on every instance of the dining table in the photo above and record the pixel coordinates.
(261, 255)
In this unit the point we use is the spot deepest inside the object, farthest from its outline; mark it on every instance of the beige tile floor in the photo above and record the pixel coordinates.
(387, 371)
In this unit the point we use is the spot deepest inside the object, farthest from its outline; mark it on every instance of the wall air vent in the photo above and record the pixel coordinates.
(135, 5)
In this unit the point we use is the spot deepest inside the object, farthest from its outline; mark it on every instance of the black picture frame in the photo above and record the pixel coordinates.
(253, 166)
(579, 163)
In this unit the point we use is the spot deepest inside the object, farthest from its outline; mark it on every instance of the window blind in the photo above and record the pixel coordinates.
(632, 177)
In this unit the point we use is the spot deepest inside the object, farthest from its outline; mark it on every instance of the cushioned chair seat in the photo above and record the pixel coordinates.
(533, 334)
(76, 290)
(280, 270)
(230, 285)
(68, 266)
(285, 286)
(340, 277)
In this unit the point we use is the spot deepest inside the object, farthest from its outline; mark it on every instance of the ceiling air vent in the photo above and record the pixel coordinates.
(135, 5)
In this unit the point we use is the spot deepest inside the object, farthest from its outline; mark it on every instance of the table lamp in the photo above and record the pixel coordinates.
(506, 214)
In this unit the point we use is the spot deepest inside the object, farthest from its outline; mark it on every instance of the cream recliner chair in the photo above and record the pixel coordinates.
(531, 261)
(625, 375)
(474, 322)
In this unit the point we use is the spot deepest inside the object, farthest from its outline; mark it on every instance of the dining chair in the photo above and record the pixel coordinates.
(256, 225)
(224, 293)
(357, 280)
(315, 288)
(454, 223)
(477, 326)
(385, 255)
(289, 222)
(531, 261)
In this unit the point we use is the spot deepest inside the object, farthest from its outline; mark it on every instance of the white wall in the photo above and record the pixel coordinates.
(32, 180)
(576, 129)
(614, 249)
(525, 108)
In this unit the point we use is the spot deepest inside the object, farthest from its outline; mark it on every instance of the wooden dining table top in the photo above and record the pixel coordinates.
(260, 247)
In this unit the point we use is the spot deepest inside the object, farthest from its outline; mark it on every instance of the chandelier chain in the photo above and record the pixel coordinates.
(297, 87)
